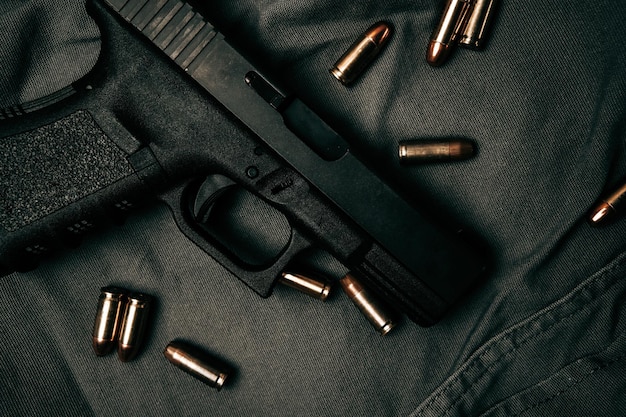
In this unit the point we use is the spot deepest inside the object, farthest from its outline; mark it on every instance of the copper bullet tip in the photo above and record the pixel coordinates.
(350, 285)
(437, 53)
(609, 207)
(446, 33)
(601, 214)
(126, 353)
(462, 150)
(378, 32)
(103, 347)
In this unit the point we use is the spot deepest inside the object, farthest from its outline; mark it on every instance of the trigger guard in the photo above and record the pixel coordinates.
(249, 230)
(260, 278)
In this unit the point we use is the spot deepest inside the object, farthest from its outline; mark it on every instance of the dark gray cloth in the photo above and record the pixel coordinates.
(543, 335)
(44, 48)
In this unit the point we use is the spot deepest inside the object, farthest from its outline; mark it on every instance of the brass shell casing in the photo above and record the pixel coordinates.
(477, 25)
(371, 308)
(134, 325)
(361, 53)
(109, 315)
(435, 150)
(315, 287)
(196, 363)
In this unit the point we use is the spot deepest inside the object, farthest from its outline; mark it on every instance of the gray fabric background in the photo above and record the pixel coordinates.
(543, 336)
(45, 48)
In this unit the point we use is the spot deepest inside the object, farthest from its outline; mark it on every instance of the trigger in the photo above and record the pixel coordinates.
(209, 191)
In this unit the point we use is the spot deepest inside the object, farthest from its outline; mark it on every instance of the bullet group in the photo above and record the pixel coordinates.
(463, 22)
(366, 301)
(121, 320)
(122, 317)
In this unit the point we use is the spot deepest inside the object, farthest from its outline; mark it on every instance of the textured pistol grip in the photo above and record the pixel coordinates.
(59, 181)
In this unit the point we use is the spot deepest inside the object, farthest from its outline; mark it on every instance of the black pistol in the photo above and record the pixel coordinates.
(74, 165)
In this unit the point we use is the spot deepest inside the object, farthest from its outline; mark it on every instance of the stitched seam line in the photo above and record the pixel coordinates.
(569, 386)
(570, 298)
(508, 353)
(574, 365)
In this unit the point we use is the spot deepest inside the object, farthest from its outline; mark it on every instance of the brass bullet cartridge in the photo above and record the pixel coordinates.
(315, 287)
(371, 308)
(478, 23)
(361, 53)
(445, 35)
(435, 150)
(134, 325)
(196, 363)
(108, 320)
(609, 207)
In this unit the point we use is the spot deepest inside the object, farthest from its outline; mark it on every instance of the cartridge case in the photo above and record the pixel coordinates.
(361, 53)
(136, 316)
(434, 150)
(478, 24)
(106, 328)
(197, 363)
(313, 286)
(372, 309)
(609, 207)
(447, 31)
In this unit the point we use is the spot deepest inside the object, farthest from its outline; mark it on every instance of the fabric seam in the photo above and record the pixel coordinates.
(568, 387)
(563, 303)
